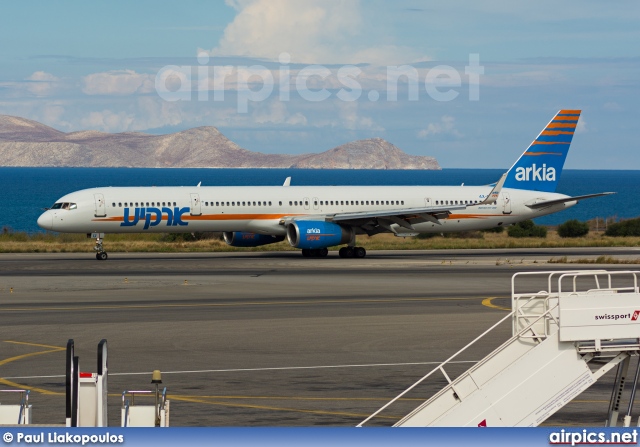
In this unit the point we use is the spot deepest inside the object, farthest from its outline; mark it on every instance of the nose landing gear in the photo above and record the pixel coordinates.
(101, 255)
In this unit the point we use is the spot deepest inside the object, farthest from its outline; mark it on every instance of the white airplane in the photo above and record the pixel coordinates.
(314, 218)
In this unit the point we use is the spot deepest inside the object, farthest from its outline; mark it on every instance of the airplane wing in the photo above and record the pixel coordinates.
(545, 203)
(370, 220)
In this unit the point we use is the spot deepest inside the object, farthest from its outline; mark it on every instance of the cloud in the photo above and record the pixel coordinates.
(446, 126)
(107, 121)
(118, 83)
(581, 127)
(41, 83)
(311, 32)
(276, 112)
(351, 119)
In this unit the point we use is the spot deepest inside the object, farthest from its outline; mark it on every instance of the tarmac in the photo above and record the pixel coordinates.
(265, 338)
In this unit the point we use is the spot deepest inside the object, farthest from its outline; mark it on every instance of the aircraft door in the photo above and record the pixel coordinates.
(306, 203)
(101, 209)
(315, 203)
(506, 201)
(428, 202)
(196, 206)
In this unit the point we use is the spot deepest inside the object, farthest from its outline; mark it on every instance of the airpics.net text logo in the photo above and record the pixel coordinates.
(315, 83)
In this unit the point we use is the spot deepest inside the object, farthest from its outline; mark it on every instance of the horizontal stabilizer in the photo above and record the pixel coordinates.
(546, 203)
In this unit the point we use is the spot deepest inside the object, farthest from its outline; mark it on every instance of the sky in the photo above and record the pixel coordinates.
(470, 83)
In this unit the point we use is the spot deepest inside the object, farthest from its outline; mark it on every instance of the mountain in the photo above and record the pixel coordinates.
(28, 143)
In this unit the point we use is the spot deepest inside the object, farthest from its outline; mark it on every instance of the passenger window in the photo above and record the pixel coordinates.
(315, 203)
(290, 203)
(120, 204)
(270, 203)
(402, 202)
(306, 203)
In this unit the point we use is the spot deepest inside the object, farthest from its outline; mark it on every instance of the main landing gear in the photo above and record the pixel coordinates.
(315, 252)
(345, 252)
(101, 255)
(352, 252)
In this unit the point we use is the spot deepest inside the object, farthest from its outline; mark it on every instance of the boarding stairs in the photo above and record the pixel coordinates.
(564, 339)
(16, 414)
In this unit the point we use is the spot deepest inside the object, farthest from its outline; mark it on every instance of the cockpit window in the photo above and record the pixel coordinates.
(64, 206)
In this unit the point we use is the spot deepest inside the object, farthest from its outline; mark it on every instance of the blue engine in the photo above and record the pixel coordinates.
(317, 234)
(242, 239)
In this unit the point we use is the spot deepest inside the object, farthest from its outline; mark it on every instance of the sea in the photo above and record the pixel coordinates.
(25, 192)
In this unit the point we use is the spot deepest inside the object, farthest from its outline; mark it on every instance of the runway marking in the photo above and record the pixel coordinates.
(30, 354)
(376, 399)
(296, 410)
(275, 368)
(253, 303)
(487, 302)
(49, 350)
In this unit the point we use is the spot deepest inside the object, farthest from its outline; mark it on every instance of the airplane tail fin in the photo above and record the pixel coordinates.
(539, 167)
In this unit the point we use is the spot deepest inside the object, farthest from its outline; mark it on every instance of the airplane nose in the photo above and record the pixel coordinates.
(45, 221)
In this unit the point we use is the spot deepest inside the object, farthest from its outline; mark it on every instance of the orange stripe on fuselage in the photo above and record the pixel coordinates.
(206, 217)
(219, 217)
(473, 216)
(236, 216)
